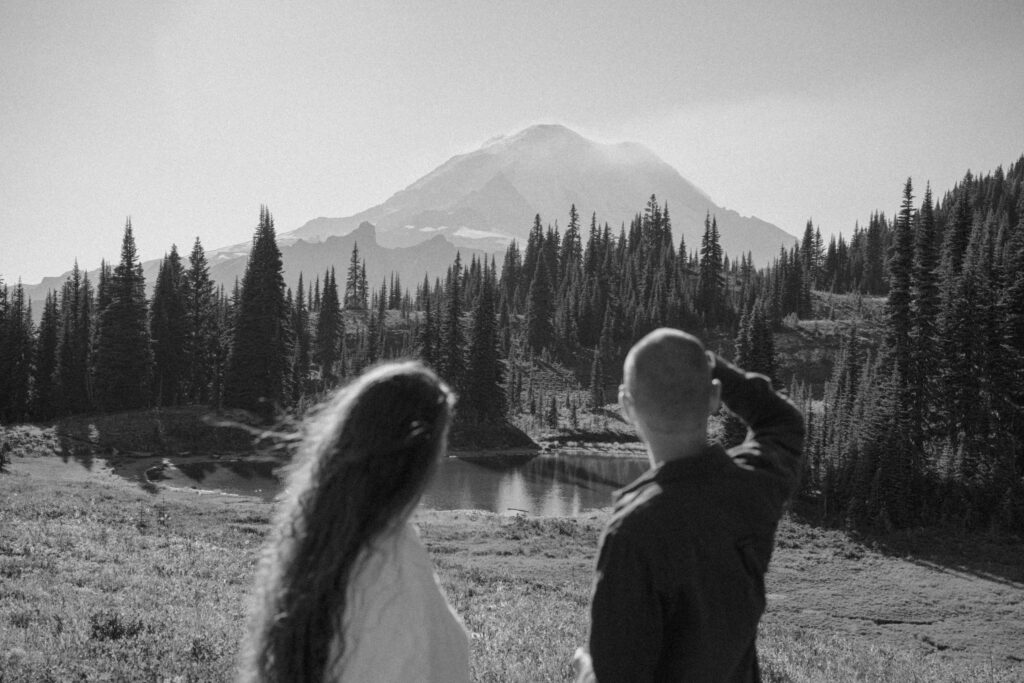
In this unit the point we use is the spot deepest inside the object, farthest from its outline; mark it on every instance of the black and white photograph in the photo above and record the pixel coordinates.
(437, 342)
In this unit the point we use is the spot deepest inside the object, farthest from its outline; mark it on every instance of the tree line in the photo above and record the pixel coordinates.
(928, 426)
(921, 426)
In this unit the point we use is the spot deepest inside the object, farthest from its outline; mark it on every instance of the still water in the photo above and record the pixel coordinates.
(551, 485)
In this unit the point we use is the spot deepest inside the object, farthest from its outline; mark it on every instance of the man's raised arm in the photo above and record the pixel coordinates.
(775, 438)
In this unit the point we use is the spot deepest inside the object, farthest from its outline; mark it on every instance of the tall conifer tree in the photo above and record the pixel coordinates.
(451, 353)
(44, 385)
(257, 377)
(540, 331)
(483, 391)
(168, 328)
(202, 328)
(124, 360)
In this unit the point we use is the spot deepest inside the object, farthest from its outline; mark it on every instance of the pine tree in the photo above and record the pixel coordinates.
(711, 282)
(925, 310)
(376, 329)
(956, 237)
(900, 266)
(873, 279)
(426, 338)
(533, 254)
(484, 397)
(330, 331)
(303, 342)
(124, 359)
(74, 352)
(201, 328)
(451, 352)
(16, 352)
(44, 384)
(168, 328)
(540, 332)
(257, 376)
(354, 287)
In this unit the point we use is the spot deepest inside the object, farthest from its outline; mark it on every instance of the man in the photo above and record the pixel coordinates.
(679, 586)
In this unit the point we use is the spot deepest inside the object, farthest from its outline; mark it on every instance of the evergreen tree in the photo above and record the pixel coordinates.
(711, 282)
(571, 256)
(168, 328)
(873, 279)
(511, 272)
(330, 331)
(540, 331)
(533, 254)
(925, 310)
(74, 352)
(257, 375)
(483, 394)
(957, 235)
(303, 342)
(16, 351)
(451, 353)
(45, 390)
(426, 339)
(364, 288)
(103, 288)
(124, 358)
(201, 327)
(900, 266)
(354, 288)
(376, 329)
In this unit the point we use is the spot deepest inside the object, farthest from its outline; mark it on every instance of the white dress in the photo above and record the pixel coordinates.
(398, 625)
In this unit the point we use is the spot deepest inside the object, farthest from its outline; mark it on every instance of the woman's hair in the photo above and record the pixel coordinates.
(364, 461)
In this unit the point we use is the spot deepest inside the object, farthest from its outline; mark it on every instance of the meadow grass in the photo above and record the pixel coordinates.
(102, 581)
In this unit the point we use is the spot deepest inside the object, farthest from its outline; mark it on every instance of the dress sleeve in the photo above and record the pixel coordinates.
(401, 629)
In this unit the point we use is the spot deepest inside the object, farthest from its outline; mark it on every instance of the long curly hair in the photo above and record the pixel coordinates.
(365, 460)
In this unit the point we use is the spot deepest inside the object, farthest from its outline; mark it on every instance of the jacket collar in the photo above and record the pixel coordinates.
(710, 459)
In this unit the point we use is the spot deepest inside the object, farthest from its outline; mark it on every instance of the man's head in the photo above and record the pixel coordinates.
(667, 388)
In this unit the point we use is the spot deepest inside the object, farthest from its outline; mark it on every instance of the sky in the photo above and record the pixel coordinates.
(188, 115)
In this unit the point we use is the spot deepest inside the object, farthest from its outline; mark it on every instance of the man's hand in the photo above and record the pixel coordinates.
(583, 666)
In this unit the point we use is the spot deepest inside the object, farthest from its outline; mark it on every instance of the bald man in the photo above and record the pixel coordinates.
(679, 585)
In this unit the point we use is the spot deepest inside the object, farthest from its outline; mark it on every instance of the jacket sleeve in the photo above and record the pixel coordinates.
(626, 614)
(775, 436)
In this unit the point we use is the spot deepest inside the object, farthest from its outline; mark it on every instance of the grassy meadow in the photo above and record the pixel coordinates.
(100, 580)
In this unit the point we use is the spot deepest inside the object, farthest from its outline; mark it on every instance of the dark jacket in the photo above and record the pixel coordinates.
(679, 588)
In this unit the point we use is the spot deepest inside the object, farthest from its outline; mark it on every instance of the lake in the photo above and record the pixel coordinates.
(557, 485)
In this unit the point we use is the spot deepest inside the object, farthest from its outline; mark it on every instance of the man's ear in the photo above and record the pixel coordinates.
(715, 397)
(626, 404)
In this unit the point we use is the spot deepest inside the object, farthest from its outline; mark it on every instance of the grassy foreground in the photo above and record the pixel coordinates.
(102, 581)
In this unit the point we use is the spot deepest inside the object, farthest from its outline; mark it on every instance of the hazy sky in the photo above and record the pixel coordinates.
(189, 115)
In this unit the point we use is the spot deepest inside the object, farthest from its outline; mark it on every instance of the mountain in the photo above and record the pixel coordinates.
(478, 202)
(432, 257)
(486, 198)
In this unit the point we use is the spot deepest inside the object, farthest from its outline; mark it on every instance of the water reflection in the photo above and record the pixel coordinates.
(558, 485)
(554, 485)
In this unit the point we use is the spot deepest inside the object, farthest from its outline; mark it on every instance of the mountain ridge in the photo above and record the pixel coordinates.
(478, 201)
(489, 196)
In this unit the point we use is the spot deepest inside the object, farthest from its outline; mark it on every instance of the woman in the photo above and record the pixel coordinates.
(346, 591)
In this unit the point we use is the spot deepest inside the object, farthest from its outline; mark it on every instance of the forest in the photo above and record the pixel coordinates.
(919, 424)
